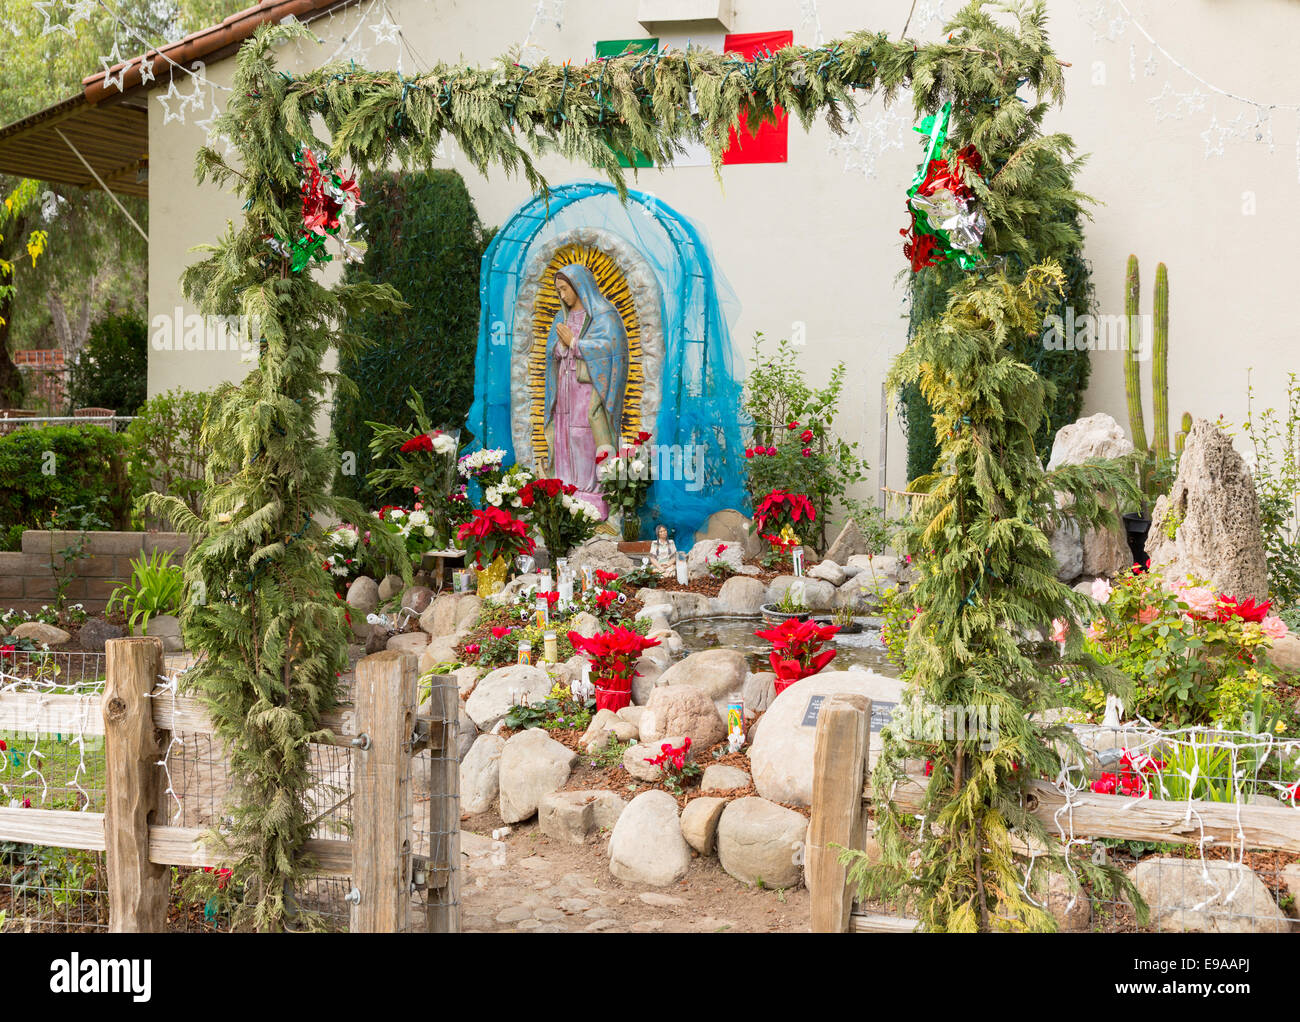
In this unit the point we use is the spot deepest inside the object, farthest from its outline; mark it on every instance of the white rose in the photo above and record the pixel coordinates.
(443, 444)
(419, 518)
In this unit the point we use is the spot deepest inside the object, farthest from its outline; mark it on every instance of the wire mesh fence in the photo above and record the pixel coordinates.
(65, 889)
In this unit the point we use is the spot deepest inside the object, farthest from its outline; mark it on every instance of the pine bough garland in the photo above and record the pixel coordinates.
(273, 632)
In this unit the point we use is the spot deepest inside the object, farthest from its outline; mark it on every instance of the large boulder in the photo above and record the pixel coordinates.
(409, 642)
(700, 822)
(363, 596)
(720, 777)
(1099, 552)
(682, 710)
(53, 635)
(637, 758)
(1285, 653)
(759, 691)
(389, 587)
(439, 617)
(849, 543)
(1067, 550)
(678, 604)
(571, 816)
(828, 571)
(600, 554)
(817, 594)
(498, 691)
(741, 595)
(649, 671)
(160, 626)
(711, 551)
(95, 632)
(647, 846)
(761, 842)
(532, 766)
(1208, 525)
(1186, 895)
(480, 774)
(417, 599)
(729, 526)
(781, 757)
(716, 672)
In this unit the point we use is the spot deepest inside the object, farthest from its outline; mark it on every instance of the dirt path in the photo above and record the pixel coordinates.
(530, 882)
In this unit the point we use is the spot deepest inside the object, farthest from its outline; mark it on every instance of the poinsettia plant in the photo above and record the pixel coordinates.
(563, 519)
(797, 649)
(613, 655)
(493, 533)
(781, 510)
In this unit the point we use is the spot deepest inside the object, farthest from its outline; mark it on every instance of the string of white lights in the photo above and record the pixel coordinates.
(1110, 19)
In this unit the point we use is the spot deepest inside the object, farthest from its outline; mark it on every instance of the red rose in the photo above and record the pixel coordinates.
(793, 425)
(642, 437)
(806, 435)
(807, 452)
(423, 442)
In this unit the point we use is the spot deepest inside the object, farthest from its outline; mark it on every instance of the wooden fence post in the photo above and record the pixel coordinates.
(839, 767)
(138, 890)
(442, 905)
(384, 696)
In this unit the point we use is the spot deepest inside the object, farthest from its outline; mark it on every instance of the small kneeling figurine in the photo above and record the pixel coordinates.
(663, 553)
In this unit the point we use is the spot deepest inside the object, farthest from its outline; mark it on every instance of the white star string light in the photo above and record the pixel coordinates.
(79, 10)
(146, 70)
(173, 95)
(386, 31)
(112, 60)
(1213, 137)
(44, 7)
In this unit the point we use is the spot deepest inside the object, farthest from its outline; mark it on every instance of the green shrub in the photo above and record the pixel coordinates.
(164, 449)
(113, 368)
(425, 239)
(792, 417)
(58, 467)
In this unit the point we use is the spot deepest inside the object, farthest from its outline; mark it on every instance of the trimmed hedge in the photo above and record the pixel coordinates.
(424, 238)
(58, 467)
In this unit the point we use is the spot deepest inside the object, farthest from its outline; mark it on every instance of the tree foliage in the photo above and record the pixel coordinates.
(112, 369)
(273, 637)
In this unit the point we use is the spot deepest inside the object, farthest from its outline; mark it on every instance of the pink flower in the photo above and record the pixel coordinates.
(807, 452)
(1200, 600)
(1100, 590)
(1274, 627)
(1147, 614)
(771, 451)
(1095, 632)
(1060, 629)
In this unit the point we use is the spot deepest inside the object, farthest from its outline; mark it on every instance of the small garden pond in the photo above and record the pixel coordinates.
(863, 649)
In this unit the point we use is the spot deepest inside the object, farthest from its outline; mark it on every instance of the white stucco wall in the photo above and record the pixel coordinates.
(809, 242)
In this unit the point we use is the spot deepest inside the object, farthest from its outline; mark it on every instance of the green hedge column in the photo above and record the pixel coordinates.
(424, 239)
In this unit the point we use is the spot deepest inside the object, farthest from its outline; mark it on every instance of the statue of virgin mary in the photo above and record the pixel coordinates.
(586, 377)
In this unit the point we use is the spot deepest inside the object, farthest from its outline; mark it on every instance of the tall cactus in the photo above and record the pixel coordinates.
(1132, 367)
(1180, 437)
(1160, 367)
(1157, 461)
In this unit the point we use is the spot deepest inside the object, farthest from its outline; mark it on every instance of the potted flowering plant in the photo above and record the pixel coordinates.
(421, 461)
(624, 481)
(492, 538)
(613, 656)
(563, 519)
(777, 516)
(797, 650)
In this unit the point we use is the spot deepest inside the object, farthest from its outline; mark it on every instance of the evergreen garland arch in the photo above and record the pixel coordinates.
(274, 634)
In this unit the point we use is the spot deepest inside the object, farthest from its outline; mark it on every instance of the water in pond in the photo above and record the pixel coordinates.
(861, 650)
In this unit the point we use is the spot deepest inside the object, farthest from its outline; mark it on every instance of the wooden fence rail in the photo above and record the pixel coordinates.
(842, 797)
(383, 728)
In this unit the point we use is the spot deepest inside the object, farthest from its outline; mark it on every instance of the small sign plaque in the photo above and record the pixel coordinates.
(881, 712)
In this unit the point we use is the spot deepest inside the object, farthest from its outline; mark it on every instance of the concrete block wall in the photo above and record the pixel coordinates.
(27, 580)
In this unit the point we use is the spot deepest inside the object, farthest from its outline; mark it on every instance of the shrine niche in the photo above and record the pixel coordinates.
(601, 321)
